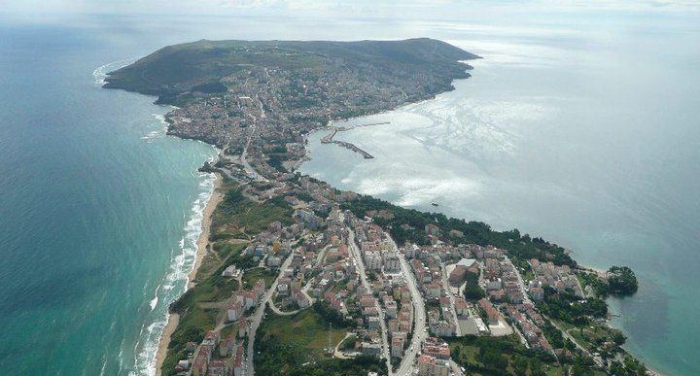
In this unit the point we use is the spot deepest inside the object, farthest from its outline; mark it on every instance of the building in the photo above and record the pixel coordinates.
(432, 229)
(397, 346)
(491, 312)
(431, 366)
(234, 311)
(238, 362)
(371, 349)
(200, 365)
(373, 260)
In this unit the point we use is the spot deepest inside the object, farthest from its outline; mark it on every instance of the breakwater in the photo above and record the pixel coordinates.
(328, 139)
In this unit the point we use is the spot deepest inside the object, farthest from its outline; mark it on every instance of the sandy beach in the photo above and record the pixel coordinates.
(173, 320)
(202, 243)
(216, 197)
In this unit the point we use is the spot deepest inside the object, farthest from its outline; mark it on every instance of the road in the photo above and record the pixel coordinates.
(363, 278)
(248, 168)
(305, 291)
(566, 334)
(249, 369)
(456, 369)
(526, 297)
(420, 332)
(446, 286)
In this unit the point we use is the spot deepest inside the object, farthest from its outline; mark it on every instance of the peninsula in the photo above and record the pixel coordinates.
(300, 278)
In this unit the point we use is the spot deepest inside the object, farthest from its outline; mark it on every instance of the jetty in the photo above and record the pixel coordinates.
(328, 139)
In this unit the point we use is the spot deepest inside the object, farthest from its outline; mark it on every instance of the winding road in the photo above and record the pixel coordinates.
(249, 369)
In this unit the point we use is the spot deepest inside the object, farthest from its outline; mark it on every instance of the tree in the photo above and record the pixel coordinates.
(619, 338)
(622, 281)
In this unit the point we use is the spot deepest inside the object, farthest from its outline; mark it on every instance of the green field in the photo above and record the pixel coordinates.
(253, 275)
(486, 356)
(238, 216)
(293, 346)
(306, 329)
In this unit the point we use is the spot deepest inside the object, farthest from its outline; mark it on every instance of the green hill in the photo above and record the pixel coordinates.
(202, 65)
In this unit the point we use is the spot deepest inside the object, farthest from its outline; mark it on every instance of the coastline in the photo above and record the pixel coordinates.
(203, 241)
(173, 319)
(216, 197)
(587, 267)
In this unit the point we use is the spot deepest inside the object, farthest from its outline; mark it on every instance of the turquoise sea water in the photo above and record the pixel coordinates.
(577, 126)
(98, 213)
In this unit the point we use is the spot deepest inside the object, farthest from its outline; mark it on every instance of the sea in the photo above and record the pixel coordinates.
(579, 125)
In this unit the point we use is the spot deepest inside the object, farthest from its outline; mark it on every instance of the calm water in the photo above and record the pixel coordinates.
(581, 127)
(590, 139)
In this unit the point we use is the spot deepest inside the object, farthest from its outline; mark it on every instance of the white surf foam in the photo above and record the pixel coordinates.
(173, 284)
(100, 73)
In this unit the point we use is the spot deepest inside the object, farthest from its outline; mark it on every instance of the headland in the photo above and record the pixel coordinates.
(392, 290)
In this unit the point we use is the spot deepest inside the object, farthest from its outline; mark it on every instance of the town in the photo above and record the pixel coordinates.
(300, 278)
(403, 306)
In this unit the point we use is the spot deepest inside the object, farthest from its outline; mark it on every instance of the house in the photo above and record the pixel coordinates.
(234, 311)
(433, 290)
(537, 293)
(227, 346)
(300, 299)
(238, 362)
(397, 346)
(392, 263)
(371, 349)
(491, 312)
(231, 271)
(457, 276)
(242, 326)
(199, 367)
(432, 229)
(431, 366)
(218, 368)
(183, 366)
(391, 309)
(461, 307)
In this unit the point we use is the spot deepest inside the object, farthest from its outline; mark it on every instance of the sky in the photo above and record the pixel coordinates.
(62, 10)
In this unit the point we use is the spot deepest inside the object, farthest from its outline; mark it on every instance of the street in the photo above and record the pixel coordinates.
(363, 278)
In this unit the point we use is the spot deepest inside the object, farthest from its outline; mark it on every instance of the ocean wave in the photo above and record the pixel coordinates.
(173, 284)
(154, 302)
(100, 73)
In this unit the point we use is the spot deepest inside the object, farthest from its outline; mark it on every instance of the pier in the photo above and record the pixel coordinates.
(328, 139)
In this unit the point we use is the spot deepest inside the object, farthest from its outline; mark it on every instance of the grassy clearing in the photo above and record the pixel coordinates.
(487, 356)
(253, 275)
(306, 329)
(237, 215)
(230, 330)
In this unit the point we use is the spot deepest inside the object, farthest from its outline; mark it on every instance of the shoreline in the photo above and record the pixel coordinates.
(202, 243)
(217, 196)
(597, 270)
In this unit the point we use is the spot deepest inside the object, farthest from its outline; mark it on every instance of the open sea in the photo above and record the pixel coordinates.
(579, 125)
